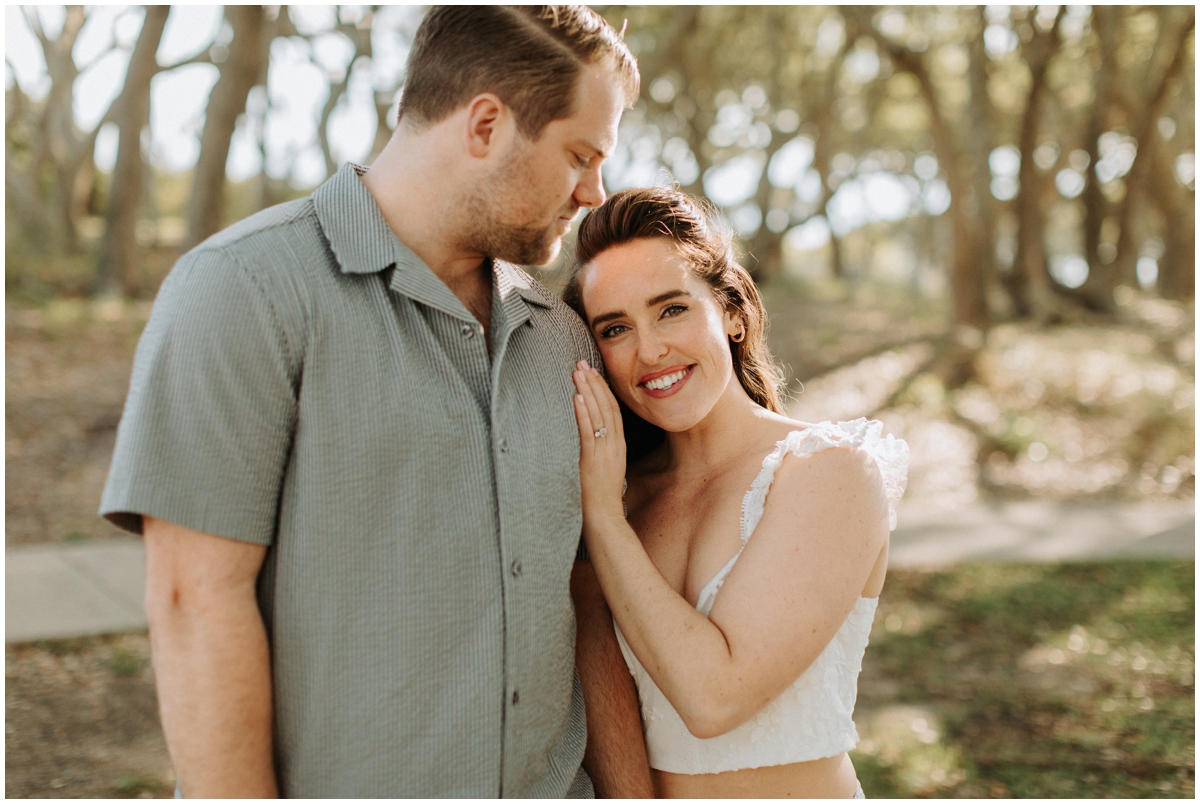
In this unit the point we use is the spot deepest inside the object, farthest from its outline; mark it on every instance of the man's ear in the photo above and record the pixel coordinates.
(486, 116)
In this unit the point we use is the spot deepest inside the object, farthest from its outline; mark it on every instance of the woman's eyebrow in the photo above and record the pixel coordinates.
(606, 317)
(662, 297)
(659, 299)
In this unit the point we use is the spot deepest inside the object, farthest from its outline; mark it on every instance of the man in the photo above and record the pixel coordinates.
(350, 445)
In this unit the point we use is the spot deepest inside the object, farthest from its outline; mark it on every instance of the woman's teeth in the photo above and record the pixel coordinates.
(663, 383)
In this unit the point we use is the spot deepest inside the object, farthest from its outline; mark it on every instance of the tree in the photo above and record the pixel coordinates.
(1022, 107)
(1030, 285)
(243, 68)
(1156, 84)
(48, 158)
(132, 111)
(955, 156)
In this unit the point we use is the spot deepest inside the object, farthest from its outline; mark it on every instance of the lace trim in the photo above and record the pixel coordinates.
(891, 454)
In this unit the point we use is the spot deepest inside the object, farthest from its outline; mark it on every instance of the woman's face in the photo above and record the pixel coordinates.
(664, 338)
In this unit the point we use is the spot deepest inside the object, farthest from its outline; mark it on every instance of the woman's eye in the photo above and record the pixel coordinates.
(613, 331)
(673, 310)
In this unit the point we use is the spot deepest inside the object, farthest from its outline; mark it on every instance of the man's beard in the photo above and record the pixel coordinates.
(523, 245)
(488, 231)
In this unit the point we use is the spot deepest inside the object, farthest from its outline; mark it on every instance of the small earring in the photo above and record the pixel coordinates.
(741, 336)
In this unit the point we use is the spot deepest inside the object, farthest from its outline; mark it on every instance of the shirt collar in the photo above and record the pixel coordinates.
(357, 232)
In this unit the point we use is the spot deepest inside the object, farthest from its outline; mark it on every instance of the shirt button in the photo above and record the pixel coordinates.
(516, 697)
(467, 330)
(516, 569)
(503, 445)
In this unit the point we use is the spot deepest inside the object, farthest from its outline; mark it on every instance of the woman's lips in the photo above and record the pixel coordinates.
(668, 382)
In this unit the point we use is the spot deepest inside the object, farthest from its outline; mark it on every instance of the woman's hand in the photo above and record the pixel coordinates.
(601, 446)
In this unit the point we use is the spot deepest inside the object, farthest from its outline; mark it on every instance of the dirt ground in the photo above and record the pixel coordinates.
(67, 370)
(81, 721)
(81, 717)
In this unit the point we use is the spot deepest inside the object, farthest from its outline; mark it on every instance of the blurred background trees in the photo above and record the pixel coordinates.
(1052, 145)
(1034, 161)
(187, 142)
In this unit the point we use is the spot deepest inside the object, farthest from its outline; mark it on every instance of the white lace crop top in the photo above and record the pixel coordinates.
(812, 718)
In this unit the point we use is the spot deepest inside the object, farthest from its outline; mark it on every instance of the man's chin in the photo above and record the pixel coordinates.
(552, 251)
(529, 254)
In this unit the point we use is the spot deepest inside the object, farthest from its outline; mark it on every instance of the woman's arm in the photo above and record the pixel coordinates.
(797, 580)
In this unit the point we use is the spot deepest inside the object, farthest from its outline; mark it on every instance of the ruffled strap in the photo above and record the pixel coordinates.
(890, 454)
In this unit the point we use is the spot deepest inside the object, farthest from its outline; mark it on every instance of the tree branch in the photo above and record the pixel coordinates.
(35, 25)
(203, 57)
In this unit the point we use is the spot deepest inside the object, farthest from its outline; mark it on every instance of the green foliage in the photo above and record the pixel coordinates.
(1031, 681)
(131, 785)
(122, 663)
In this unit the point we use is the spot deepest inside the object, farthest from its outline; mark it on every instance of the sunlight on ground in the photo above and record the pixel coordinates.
(1020, 681)
(909, 740)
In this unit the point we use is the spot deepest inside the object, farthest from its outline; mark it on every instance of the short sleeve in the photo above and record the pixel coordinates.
(211, 410)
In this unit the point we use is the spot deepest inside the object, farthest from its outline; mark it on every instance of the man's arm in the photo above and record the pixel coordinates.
(211, 661)
(616, 749)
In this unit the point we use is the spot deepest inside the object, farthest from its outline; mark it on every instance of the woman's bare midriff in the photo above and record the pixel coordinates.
(831, 777)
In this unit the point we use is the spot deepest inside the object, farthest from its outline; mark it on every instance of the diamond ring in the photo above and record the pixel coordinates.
(601, 433)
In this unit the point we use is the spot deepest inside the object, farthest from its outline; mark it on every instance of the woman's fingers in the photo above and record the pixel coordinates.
(583, 420)
(608, 403)
(603, 413)
(583, 381)
(583, 416)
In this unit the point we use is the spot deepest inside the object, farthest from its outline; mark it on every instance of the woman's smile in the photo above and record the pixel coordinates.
(660, 384)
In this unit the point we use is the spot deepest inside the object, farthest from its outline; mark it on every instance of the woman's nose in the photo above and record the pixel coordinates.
(651, 348)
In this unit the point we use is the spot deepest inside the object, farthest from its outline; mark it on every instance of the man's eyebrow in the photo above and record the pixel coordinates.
(659, 299)
(600, 152)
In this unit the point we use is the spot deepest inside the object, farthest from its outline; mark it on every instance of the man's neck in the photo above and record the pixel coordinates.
(409, 184)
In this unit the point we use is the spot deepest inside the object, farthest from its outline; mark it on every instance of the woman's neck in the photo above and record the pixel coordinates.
(720, 436)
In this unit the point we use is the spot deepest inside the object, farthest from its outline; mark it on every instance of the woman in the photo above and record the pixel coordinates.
(748, 692)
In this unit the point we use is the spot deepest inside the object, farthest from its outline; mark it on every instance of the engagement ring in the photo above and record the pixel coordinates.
(601, 433)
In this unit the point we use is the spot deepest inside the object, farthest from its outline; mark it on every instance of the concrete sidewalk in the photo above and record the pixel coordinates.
(56, 591)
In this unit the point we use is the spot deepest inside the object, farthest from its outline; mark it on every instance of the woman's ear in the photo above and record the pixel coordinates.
(735, 326)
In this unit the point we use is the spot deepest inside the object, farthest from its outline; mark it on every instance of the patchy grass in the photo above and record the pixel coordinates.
(81, 720)
(1032, 681)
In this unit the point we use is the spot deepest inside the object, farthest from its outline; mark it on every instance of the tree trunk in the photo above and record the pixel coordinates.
(58, 150)
(133, 114)
(1124, 266)
(1029, 283)
(239, 73)
(383, 105)
(1177, 268)
(981, 139)
(1097, 289)
(967, 290)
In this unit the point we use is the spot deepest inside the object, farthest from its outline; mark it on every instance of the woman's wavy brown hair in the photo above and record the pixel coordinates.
(700, 235)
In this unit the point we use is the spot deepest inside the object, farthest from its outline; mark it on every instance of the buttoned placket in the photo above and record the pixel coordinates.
(475, 349)
(514, 314)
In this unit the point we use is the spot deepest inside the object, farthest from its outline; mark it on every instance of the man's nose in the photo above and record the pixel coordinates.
(590, 190)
